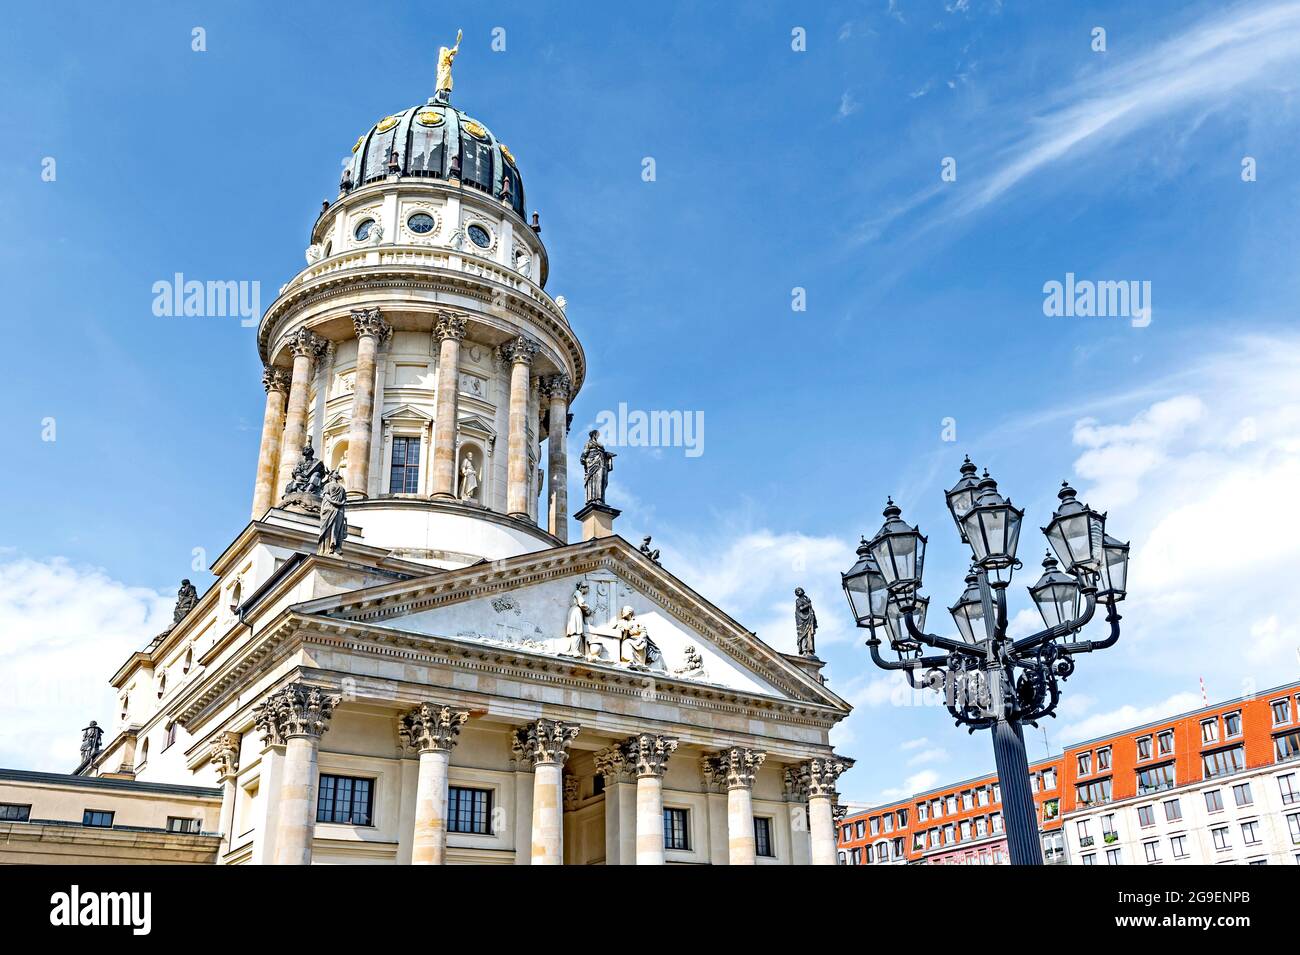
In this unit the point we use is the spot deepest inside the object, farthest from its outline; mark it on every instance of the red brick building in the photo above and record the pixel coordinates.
(1218, 784)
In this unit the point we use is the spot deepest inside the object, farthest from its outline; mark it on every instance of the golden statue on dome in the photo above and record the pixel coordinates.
(445, 57)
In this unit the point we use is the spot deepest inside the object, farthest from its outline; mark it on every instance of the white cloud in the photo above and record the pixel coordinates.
(848, 105)
(1122, 717)
(67, 629)
(917, 782)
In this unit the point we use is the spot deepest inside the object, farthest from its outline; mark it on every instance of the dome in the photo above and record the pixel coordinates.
(438, 141)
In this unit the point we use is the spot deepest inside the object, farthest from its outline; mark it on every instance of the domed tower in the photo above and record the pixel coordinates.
(419, 353)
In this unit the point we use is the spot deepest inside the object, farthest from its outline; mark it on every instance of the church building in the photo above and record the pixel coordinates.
(404, 658)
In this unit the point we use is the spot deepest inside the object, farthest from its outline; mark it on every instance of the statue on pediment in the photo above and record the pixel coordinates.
(575, 628)
(635, 646)
(186, 599)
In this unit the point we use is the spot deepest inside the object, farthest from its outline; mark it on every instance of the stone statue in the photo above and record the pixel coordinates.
(445, 57)
(92, 740)
(468, 477)
(186, 598)
(635, 646)
(693, 666)
(333, 516)
(805, 622)
(308, 474)
(653, 555)
(596, 465)
(575, 628)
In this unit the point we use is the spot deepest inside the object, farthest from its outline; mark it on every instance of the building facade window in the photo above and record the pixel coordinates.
(1220, 836)
(1152, 850)
(1210, 731)
(1113, 857)
(1232, 725)
(1293, 825)
(1281, 711)
(469, 810)
(1085, 764)
(1155, 779)
(1286, 747)
(1146, 816)
(763, 837)
(1250, 833)
(97, 818)
(1287, 787)
(677, 831)
(1178, 846)
(1165, 742)
(12, 812)
(1088, 858)
(1224, 762)
(1173, 810)
(345, 800)
(181, 824)
(1144, 747)
(1241, 794)
(404, 477)
(1213, 801)
(1093, 794)
(1103, 759)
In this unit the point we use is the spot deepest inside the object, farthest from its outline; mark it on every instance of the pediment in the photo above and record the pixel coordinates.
(406, 412)
(526, 604)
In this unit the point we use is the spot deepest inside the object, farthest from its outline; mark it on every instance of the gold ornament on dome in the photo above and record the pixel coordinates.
(429, 117)
(474, 129)
(510, 157)
(357, 144)
(387, 123)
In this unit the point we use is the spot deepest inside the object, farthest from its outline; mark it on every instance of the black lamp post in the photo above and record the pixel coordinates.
(990, 681)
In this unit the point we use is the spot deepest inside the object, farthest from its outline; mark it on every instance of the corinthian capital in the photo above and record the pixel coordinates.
(521, 349)
(298, 709)
(738, 766)
(821, 772)
(305, 343)
(557, 386)
(370, 322)
(224, 755)
(546, 742)
(430, 728)
(449, 325)
(612, 763)
(275, 379)
(648, 754)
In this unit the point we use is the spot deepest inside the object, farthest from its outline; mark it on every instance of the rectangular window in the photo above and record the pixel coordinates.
(1146, 816)
(469, 810)
(1210, 731)
(888, 822)
(1108, 824)
(1103, 759)
(855, 857)
(902, 818)
(1178, 846)
(1281, 711)
(1224, 762)
(1144, 747)
(996, 820)
(344, 799)
(1089, 858)
(1286, 747)
(1152, 849)
(875, 827)
(1173, 810)
(404, 478)
(1221, 838)
(1165, 742)
(11, 812)
(1094, 793)
(1213, 801)
(922, 812)
(677, 833)
(763, 836)
(1293, 824)
(965, 830)
(1286, 784)
(950, 805)
(984, 796)
(967, 800)
(1241, 794)
(97, 818)
(1156, 779)
(949, 835)
(918, 842)
(1085, 764)
(1232, 725)
(981, 827)
(1113, 857)
(1049, 779)
(1250, 833)
(181, 824)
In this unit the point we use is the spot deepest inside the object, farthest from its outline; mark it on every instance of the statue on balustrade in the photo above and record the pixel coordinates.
(308, 474)
(186, 599)
(596, 465)
(333, 516)
(805, 622)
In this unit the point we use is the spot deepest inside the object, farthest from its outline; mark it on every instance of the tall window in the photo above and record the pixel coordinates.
(1178, 846)
(1250, 833)
(1165, 742)
(1213, 801)
(1287, 746)
(1103, 759)
(1232, 725)
(902, 818)
(1113, 857)
(405, 475)
(469, 810)
(1144, 747)
(1242, 795)
(1281, 711)
(1221, 838)
(1173, 810)
(676, 831)
(1223, 762)
(1152, 851)
(344, 799)
(1146, 816)
(1210, 731)
(1293, 824)
(97, 818)
(1085, 764)
(1286, 785)
(763, 836)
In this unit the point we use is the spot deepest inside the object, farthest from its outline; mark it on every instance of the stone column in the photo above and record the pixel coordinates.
(556, 388)
(820, 774)
(371, 329)
(518, 353)
(545, 744)
(620, 805)
(522, 837)
(796, 798)
(306, 346)
(296, 717)
(431, 731)
(648, 754)
(739, 766)
(276, 383)
(224, 756)
(715, 788)
(449, 333)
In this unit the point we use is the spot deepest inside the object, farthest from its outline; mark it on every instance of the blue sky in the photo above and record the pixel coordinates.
(775, 169)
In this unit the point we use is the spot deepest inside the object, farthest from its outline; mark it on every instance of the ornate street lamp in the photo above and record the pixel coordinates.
(989, 680)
